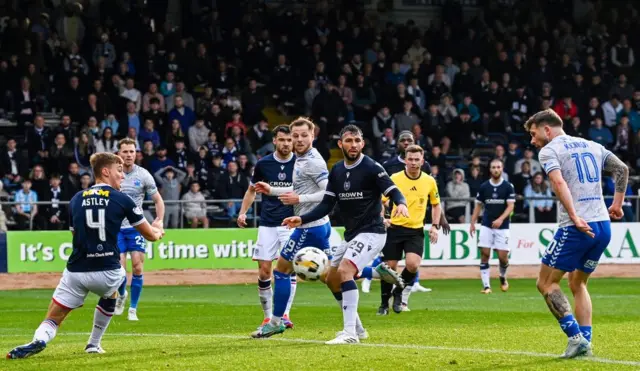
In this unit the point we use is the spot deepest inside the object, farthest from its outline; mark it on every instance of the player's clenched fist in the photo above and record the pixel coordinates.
(262, 187)
(401, 210)
(242, 220)
(292, 221)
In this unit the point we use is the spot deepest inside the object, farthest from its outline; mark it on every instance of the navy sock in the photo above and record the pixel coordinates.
(281, 293)
(136, 289)
(367, 273)
(586, 332)
(569, 325)
(122, 287)
(337, 295)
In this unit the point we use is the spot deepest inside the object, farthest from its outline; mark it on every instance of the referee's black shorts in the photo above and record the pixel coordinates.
(401, 240)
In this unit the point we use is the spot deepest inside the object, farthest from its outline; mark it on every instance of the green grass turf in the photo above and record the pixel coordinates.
(454, 327)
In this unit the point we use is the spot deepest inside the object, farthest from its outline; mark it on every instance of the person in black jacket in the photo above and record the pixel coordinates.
(13, 166)
(55, 213)
(39, 140)
(233, 186)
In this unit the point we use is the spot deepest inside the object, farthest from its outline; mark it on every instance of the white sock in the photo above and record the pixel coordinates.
(350, 307)
(359, 326)
(101, 319)
(46, 331)
(375, 274)
(406, 292)
(294, 285)
(485, 274)
(266, 297)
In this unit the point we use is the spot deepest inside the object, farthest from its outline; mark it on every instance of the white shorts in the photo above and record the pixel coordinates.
(75, 286)
(270, 241)
(361, 250)
(494, 238)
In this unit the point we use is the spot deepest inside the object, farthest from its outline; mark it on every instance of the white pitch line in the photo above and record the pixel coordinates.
(369, 345)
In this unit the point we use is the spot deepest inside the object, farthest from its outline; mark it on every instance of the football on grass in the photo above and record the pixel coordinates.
(309, 263)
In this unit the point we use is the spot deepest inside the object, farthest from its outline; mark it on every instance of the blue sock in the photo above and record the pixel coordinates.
(569, 325)
(586, 332)
(136, 290)
(417, 279)
(122, 287)
(367, 273)
(376, 262)
(281, 293)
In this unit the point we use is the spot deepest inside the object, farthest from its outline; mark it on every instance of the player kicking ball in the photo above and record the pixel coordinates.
(498, 198)
(405, 235)
(137, 183)
(574, 166)
(356, 185)
(94, 265)
(277, 170)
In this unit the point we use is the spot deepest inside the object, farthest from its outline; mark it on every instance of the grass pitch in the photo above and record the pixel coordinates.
(454, 327)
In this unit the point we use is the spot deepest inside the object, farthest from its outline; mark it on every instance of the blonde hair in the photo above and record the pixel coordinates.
(126, 141)
(102, 160)
(301, 121)
(414, 148)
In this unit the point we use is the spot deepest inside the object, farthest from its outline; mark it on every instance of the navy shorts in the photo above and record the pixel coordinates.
(572, 249)
(306, 237)
(131, 240)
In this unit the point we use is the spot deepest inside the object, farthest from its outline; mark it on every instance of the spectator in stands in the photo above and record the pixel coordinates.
(539, 188)
(180, 155)
(107, 142)
(174, 133)
(187, 99)
(252, 103)
(25, 209)
(364, 99)
(458, 189)
(198, 135)
(576, 129)
(201, 161)
(25, 103)
(105, 49)
(153, 93)
(194, 206)
(168, 86)
(386, 145)
(382, 121)
(84, 148)
(309, 96)
(92, 129)
(566, 108)
(610, 109)
(600, 134)
(38, 141)
(622, 55)
(260, 138)
(65, 128)
(109, 123)
(132, 118)
(473, 110)
(622, 88)
(157, 115)
(55, 213)
(215, 173)
(169, 179)
(132, 94)
(624, 136)
(244, 166)
(205, 102)
(213, 145)
(528, 157)
(474, 180)
(433, 123)
(631, 114)
(149, 133)
(13, 166)
(85, 181)
(233, 186)
(522, 178)
(39, 181)
(160, 160)
(92, 109)
(182, 113)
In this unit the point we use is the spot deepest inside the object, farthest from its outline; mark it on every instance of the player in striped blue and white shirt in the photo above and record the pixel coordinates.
(137, 184)
(574, 166)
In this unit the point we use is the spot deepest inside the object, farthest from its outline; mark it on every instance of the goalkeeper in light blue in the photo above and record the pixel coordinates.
(574, 167)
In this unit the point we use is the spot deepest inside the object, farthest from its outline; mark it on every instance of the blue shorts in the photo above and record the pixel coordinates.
(305, 237)
(131, 240)
(572, 249)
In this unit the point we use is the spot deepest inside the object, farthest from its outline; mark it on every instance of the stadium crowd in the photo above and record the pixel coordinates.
(191, 90)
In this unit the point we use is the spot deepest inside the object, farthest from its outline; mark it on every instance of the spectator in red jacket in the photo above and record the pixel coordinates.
(566, 109)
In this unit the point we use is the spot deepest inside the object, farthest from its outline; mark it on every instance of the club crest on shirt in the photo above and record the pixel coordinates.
(137, 183)
(282, 176)
(495, 195)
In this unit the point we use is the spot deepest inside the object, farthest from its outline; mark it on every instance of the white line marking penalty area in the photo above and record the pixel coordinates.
(368, 345)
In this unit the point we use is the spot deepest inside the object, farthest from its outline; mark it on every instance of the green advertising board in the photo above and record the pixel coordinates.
(179, 249)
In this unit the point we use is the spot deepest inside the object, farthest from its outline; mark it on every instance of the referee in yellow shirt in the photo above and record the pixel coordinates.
(406, 235)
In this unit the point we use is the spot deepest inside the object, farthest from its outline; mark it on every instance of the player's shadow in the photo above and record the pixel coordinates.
(539, 363)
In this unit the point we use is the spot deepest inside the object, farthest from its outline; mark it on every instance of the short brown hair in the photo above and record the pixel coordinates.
(414, 148)
(126, 141)
(547, 117)
(103, 159)
(301, 121)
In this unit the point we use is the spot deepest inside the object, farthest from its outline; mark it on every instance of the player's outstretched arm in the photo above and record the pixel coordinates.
(620, 173)
(148, 232)
(320, 211)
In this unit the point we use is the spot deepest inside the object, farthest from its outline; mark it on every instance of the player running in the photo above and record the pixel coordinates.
(137, 183)
(406, 235)
(95, 217)
(356, 185)
(498, 197)
(574, 166)
(275, 169)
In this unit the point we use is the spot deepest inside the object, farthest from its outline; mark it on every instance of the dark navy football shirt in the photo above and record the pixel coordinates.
(358, 189)
(96, 216)
(277, 173)
(495, 198)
